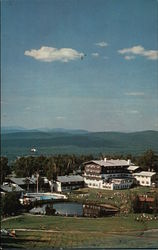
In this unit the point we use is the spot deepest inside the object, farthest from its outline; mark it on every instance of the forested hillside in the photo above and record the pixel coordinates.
(20, 143)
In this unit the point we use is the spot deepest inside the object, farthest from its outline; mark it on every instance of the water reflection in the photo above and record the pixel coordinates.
(69, 208)
(62, 208)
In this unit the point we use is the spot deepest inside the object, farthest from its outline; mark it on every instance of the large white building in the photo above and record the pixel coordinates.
(109, 174)
(116, 174)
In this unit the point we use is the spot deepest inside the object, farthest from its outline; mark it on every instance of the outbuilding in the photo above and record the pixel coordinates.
(146, 178)
(68, 182)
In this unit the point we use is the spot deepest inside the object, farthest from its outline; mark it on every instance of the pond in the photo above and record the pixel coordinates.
(62, 208)
(69, 208)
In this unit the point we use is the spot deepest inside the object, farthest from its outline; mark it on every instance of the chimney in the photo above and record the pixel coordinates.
(129, 162)
(105, 159)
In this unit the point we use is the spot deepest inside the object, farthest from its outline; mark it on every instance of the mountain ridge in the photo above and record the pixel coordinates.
(78, 143)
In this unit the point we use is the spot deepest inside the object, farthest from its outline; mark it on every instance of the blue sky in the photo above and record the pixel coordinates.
(88, 64)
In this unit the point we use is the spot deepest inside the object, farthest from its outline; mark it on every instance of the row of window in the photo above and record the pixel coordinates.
(93, 184)
(118, 175)
(145, 182)
(144, 177)
(121, 187)
(109, 186)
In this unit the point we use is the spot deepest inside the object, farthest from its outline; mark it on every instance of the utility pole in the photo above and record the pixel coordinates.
(37, 180)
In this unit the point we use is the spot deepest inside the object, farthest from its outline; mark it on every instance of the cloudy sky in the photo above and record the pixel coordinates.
(88, 64)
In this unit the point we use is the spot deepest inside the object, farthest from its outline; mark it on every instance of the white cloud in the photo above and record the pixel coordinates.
(28, 108)
(95, 54)
(140, 51)
(129, 57)
(135, 93)
(133, 112)
(50, 54)
(102, 44)
(60, 117)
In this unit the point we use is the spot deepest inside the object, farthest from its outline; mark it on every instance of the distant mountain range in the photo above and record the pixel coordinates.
(12, 129)
(19, 141)
(15, 129)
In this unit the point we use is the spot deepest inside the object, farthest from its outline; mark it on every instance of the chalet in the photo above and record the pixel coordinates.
(68, 183)
(108, 174)
(146, 178)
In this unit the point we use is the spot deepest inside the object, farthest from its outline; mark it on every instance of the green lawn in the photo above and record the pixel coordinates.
(107, 224)
(45, 240)
(79, 232)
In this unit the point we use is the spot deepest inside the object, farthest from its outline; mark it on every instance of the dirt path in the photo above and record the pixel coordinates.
(12, 217)
(128, 233)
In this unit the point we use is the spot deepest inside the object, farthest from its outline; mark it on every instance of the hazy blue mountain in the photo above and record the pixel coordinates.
(20, 143)
(12, 129)
(63, 130)
(15, 129)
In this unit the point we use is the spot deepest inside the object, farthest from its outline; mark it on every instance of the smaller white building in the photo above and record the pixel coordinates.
(68, 182)
(145, 178)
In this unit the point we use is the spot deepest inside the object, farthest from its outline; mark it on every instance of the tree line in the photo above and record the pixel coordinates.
(49, 167)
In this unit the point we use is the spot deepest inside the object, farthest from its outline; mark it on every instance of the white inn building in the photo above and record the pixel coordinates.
(115, 174)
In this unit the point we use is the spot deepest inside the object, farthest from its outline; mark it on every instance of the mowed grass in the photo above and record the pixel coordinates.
(42, 240)
(80, 232)
(58, 223)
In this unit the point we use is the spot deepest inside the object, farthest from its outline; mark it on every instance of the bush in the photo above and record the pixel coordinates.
(10, 204)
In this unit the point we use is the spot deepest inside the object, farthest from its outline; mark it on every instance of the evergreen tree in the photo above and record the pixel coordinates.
(10, 204)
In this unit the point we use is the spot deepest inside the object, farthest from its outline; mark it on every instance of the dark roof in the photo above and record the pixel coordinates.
(22, 181)
(11, 188)
(70, 178)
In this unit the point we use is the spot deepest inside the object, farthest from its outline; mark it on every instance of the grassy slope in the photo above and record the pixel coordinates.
(105, 225)
(82, 232)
